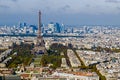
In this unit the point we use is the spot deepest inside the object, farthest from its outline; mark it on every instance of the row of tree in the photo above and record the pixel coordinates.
(53, 56)
(23, 56)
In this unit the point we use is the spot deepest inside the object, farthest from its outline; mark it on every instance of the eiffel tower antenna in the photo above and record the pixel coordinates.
(39, 24)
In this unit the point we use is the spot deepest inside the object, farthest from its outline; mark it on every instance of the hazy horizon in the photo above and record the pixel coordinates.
(74, 12)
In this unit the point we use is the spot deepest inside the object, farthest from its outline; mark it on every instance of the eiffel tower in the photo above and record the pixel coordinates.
(39, 48)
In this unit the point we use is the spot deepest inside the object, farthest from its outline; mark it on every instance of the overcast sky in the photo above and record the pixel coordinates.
(71, 12)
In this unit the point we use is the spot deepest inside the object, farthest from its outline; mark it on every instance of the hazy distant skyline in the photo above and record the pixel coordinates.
(71, 12)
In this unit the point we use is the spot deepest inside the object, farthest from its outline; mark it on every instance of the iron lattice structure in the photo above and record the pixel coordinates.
(39, 47)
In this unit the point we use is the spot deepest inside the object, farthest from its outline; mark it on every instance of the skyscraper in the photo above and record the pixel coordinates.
(58, 27)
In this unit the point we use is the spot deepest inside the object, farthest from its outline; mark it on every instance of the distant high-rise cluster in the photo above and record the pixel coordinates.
(24, 28)
(54, 28)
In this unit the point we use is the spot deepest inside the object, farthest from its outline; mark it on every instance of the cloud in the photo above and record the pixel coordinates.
(113, 1)
(66, 7)
(14, 0)
(10, 0)
(118, 8)
(87, 5)
(4, 6)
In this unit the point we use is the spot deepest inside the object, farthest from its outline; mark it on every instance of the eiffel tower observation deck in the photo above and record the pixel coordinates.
(39, 47)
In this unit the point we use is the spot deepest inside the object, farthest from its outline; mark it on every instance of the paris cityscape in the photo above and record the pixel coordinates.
(49, 45)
